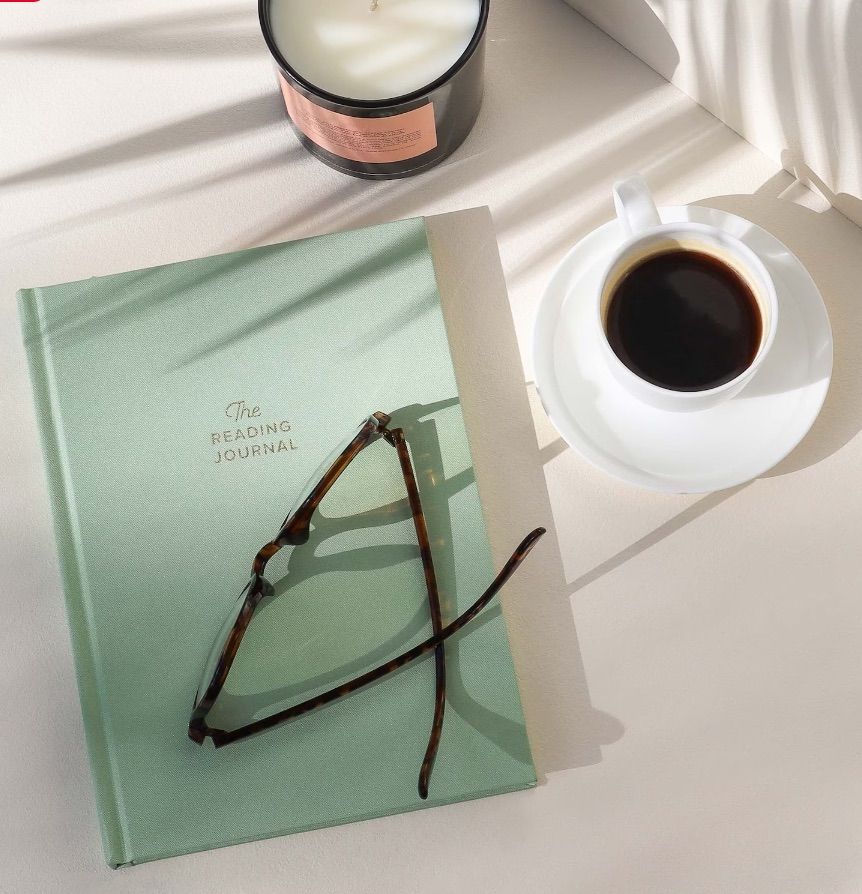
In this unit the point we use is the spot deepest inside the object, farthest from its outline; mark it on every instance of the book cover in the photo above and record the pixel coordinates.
(182, 409)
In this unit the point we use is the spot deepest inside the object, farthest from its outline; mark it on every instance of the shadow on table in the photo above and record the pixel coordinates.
(218, 32)
(229, 120)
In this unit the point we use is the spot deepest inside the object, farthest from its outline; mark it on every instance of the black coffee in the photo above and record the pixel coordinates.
(684, 320)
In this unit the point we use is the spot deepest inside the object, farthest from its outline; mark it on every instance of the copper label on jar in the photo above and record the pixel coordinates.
(375, 140)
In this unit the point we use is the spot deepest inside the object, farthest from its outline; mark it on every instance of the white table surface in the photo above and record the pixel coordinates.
(694, 698)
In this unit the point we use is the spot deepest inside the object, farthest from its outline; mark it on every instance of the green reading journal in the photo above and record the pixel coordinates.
(182, 409)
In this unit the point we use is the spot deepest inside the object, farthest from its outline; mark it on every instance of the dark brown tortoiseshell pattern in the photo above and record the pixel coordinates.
(294, 532)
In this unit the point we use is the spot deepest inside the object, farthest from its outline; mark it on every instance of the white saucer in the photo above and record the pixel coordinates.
(682, 452)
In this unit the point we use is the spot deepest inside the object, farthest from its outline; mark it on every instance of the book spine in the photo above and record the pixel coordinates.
(78, 606)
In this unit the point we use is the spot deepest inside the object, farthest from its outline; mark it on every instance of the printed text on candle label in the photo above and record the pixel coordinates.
(377, 140)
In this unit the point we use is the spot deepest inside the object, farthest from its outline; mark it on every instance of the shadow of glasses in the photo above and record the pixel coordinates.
(335, 553)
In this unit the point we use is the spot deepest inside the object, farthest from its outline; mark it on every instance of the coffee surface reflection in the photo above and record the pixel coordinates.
(684, 320)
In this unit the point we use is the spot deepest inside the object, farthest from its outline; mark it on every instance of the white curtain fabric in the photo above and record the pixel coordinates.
(786, 74)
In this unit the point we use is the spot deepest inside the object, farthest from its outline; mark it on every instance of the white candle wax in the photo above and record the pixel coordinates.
(362, 50)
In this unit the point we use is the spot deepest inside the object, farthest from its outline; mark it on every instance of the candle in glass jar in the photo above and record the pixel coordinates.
(373, 49)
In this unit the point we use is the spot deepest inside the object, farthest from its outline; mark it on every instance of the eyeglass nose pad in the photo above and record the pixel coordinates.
(264, 587)
(293, 538)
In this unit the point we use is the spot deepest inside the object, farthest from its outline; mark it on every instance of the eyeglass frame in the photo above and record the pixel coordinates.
(295, 531)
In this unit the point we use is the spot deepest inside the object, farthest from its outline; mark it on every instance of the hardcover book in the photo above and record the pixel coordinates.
(182, 409)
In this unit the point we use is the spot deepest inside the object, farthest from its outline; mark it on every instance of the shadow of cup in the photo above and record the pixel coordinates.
(827, 244)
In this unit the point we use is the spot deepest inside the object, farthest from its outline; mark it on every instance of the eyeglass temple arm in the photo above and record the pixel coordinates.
(225, 737)
(396, 437)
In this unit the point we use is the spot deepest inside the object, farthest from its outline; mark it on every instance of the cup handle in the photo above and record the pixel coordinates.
(635, 207)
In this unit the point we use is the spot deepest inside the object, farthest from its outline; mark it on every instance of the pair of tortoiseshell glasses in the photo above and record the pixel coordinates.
(295, 531)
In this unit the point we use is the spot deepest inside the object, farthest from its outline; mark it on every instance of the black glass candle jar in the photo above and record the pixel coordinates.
(387, 138)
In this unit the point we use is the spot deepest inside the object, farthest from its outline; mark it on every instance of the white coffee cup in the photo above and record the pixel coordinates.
(647, 236)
